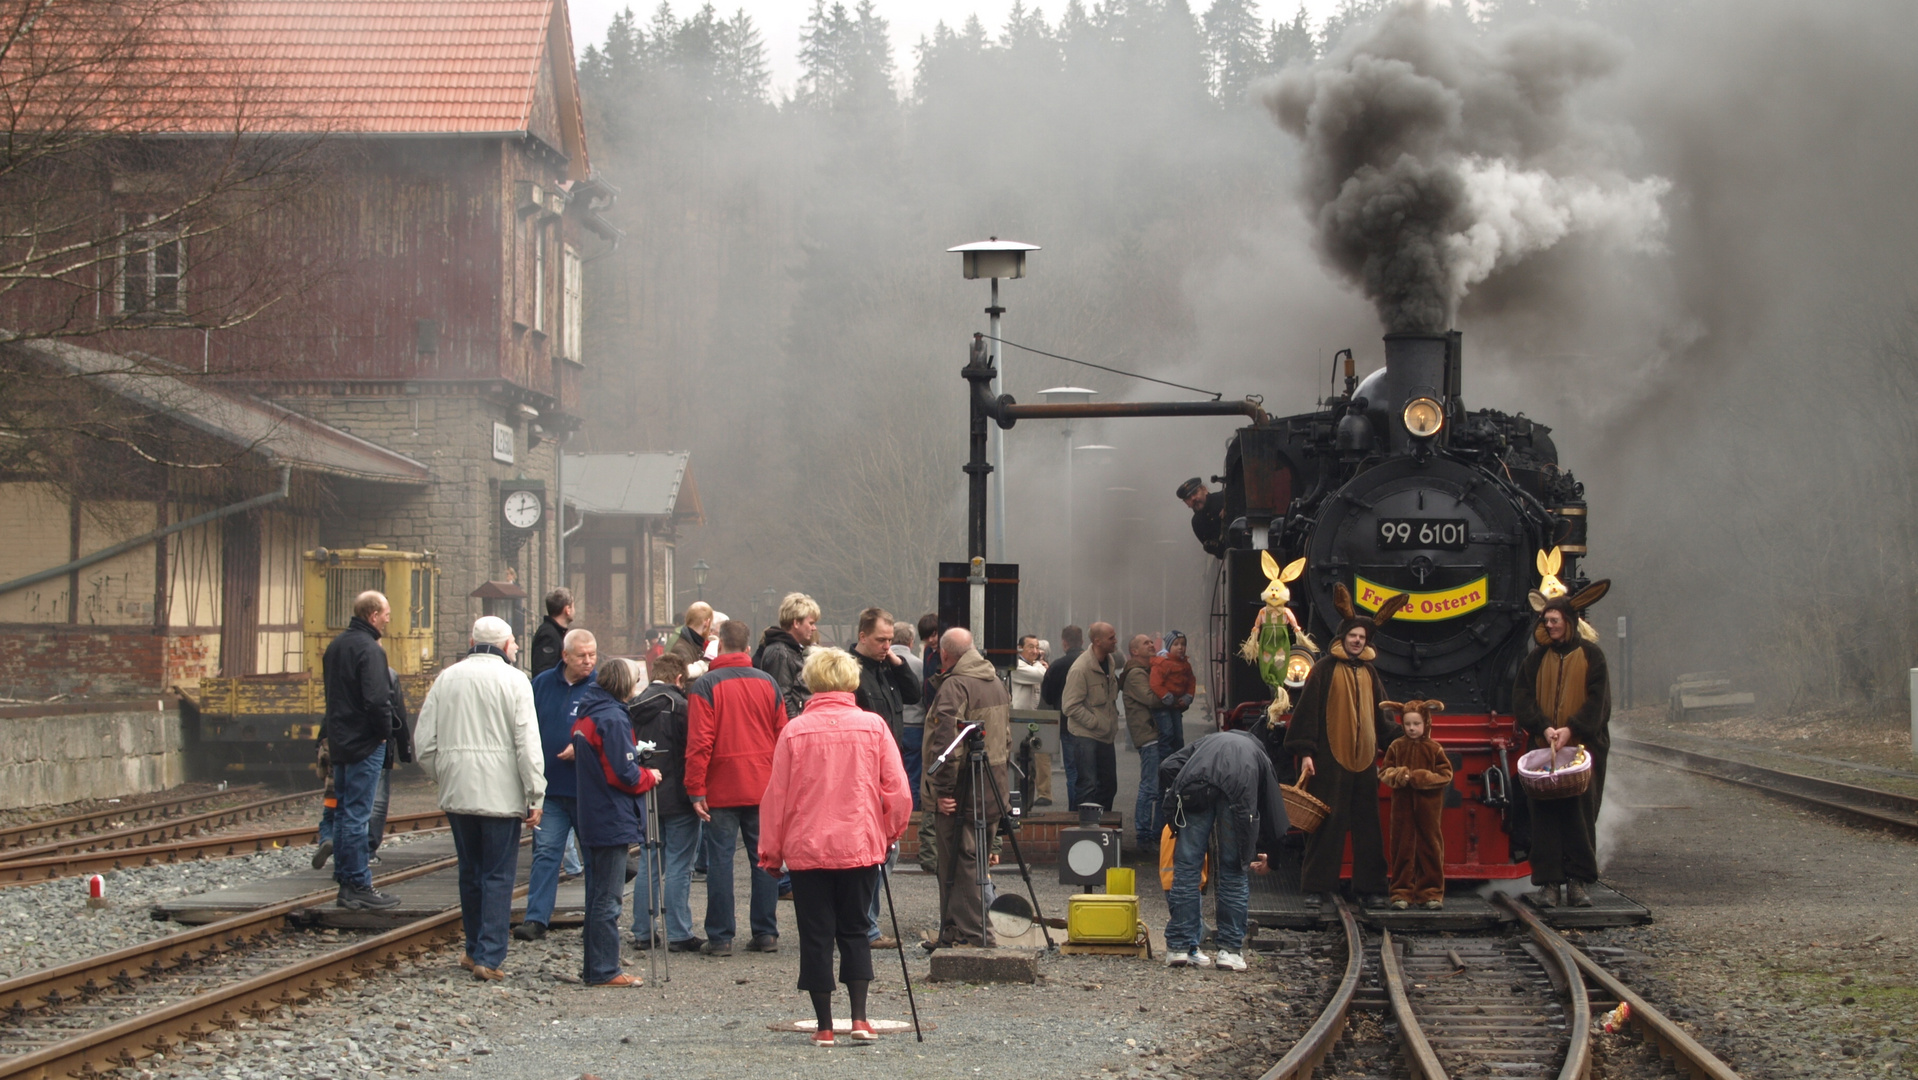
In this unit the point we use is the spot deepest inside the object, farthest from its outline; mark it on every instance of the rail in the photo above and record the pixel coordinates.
(125, 1042)
(14, 836)
(135, 836)
(1868, 806)
(1419, 1057)
(1324, 1033)
(1673, 1042)
(33, 871)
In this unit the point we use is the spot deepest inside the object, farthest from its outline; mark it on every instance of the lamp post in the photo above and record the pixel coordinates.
(700, 569)
(995, 258)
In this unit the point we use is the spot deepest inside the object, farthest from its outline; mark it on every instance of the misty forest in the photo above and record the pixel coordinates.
(1677, 231)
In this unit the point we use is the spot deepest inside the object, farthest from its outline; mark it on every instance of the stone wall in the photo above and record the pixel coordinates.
(65, 753)
(458, 516)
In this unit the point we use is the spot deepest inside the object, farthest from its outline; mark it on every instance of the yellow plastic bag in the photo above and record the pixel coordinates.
(1168, 845)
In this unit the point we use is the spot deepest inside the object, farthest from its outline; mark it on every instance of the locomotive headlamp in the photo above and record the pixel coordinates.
(1297, 666)
(1424, 417)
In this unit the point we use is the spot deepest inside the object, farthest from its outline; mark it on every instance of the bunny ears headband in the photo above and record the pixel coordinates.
(1424, 708)
(1551, 588)
(1342, 600)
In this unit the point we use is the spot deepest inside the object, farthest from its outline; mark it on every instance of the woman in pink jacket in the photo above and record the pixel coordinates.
(837, 800)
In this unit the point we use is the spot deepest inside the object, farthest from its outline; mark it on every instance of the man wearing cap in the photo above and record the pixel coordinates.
(1208, 515)
(478, 739)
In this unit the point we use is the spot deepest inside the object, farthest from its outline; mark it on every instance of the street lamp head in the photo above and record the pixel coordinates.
(700, 570)
(1067, 395)
(994, 258)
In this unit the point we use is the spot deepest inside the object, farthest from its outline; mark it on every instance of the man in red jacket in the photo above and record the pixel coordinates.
(733, 719)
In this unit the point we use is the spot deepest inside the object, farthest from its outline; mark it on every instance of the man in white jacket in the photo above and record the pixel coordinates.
(478, 739)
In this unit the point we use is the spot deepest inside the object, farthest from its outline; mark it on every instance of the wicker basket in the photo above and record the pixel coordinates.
(1306, 812)
(1560, 775)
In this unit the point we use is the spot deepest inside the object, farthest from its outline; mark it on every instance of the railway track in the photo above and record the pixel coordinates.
(30, 871)
(1867, 806)
(1488, 1005)
(161, 832)
(15, 836)
(114, 1009)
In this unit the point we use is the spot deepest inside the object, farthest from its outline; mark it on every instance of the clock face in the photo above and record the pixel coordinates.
(522, 509)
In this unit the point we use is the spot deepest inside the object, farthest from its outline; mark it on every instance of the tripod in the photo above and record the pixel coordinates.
(986, 781)
(653, 857)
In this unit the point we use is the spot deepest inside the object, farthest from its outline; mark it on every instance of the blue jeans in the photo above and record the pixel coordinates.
(680, 834)
(356, 786)
(879, 893)
(570, 862)
(730, 825)
(912, 745)
(1171, 731)
(376, 818)
(1145, 812)
(605, 880)
(1233, 894)
(1066, 751)
(549, 844)
(488, 849)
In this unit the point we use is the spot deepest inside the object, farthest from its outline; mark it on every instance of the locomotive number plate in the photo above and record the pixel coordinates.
(1444, 534)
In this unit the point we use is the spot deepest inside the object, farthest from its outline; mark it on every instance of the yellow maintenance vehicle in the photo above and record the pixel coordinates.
(265, 726)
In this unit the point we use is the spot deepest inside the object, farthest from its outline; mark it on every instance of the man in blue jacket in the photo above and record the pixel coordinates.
(556, 694)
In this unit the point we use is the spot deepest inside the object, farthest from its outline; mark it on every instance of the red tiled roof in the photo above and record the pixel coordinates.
(345, 67)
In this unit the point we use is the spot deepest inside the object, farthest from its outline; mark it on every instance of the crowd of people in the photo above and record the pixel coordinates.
(814, 758)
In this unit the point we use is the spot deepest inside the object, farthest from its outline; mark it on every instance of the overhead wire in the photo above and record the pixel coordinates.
(1216, 395)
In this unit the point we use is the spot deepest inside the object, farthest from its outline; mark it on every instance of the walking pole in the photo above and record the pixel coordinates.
(898, 940)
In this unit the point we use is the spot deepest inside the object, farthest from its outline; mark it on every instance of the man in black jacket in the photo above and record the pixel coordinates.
(886, 687)
(659, 717)
(782, 650)
(1051, 690)
(550, 639)
(1223, 782)
(359, 721)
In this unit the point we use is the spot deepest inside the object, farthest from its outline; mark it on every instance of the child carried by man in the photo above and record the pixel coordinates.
(1418, 772)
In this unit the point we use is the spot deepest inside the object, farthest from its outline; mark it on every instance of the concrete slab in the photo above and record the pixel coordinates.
(985, 966)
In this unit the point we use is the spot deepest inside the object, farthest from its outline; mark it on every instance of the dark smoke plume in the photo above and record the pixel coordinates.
(1435, 156)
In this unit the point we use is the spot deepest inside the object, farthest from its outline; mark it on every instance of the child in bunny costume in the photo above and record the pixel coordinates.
(1418, 772)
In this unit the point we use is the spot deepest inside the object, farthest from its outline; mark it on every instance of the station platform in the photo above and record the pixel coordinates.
(427, 894)
(1277, 903)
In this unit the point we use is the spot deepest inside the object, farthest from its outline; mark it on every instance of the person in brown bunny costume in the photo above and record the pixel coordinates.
(1336, 732)
(1418, 772)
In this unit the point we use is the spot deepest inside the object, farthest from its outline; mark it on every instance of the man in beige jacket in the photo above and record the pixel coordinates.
(478, 739)
(1091, 704)
(971, 693)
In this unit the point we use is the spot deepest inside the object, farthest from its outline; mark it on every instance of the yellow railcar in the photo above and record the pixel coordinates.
(265, 726)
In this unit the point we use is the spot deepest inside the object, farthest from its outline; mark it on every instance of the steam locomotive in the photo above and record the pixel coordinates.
(1394, 486)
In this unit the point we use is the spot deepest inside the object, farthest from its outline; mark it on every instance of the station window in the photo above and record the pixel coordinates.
(151, 264)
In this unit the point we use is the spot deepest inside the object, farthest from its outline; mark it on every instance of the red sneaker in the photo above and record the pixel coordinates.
(823, 1038)
(862, 1032)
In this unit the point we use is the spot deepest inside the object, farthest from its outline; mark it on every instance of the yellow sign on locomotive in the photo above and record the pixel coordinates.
(1424, 606)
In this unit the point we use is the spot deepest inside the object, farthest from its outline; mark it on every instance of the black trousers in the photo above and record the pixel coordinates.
(1098, 766)
(1562, 840)
(832, 906)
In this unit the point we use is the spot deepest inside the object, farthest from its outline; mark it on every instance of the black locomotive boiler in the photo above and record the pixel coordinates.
(1394, 486)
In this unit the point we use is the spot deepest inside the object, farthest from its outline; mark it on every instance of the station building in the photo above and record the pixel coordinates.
(414, 393)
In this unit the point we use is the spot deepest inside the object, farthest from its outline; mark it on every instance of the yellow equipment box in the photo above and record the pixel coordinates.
(1102, 920)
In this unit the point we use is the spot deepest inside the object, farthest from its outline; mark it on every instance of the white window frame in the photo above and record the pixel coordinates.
(143, 254)
(539, 277)
(573, 314)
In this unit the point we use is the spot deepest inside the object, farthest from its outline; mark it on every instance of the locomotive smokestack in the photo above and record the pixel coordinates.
(1418, 390)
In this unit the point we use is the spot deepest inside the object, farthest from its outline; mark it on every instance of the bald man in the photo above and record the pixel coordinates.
(970, 693)
(1090, 702)
(358, 722)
